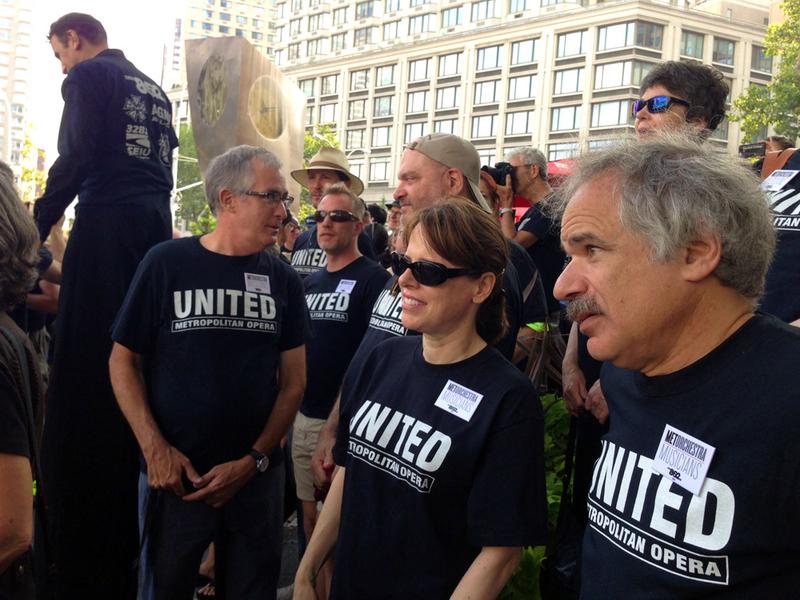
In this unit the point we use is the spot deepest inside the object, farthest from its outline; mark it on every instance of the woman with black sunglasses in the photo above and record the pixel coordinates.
(440, 442)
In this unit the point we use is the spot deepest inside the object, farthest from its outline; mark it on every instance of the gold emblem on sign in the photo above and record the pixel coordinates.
(265, 106)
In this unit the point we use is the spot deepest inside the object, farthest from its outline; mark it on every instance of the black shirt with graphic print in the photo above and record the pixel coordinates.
(547, 254)
(211, 328)
(339, 305)
(441, 460)
(648, 537)
(308, 257)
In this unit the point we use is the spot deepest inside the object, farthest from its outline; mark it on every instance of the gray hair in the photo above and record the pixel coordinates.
(673, 190)
(357, 205)
(233, 171)
(19, 245)
(530, 156)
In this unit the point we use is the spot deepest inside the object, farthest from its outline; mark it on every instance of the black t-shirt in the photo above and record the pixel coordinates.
(339, 304)
(13, 422)
(211, 328)
(441, 460)
(535, 308)
(308, 257)
(740, 538)
(547, 254)
(782, 293)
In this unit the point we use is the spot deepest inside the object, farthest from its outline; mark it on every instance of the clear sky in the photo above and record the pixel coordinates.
(139, 28)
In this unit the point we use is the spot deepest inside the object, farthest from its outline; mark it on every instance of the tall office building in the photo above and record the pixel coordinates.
(15, 72)
(554, 74)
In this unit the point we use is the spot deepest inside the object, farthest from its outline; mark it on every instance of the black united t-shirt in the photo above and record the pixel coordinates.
(339, 304)
(782, 291)
(547, 254)
(441, 460)
(740, 537)
(308, 257)
(211, 328)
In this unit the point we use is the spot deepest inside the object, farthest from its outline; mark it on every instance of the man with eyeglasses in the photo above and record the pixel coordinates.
(327, 167)
(209, 367)
(339, 297)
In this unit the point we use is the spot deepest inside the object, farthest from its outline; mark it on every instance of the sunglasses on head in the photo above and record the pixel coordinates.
(657, 104)
(426, 272)
(337, 216)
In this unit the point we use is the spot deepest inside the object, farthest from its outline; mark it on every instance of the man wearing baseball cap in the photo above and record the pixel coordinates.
(326, 167)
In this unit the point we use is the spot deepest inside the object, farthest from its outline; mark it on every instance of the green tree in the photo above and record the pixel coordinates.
(31, 179)
(193, 208)
(321, 136)
(777, 103)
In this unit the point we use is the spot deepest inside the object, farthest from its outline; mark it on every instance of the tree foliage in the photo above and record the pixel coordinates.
(193, 208)
(777, 104)
(31, 179)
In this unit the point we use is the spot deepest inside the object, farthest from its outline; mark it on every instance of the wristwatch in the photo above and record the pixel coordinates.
(505, 210)
(262, 460)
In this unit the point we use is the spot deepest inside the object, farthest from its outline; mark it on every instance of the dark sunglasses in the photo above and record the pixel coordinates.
(337, 216)
(426, 272)
(272, 197)
(657, 104)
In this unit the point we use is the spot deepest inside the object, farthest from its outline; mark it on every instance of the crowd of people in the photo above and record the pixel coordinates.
(367, 368)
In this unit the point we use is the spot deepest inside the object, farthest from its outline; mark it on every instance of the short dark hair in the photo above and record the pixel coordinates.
(703, 87)
(86, 26)
(377, 213)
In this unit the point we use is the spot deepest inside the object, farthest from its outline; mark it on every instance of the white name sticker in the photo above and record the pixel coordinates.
(778, 179)
(345, 286)
(458, 400)
(683, 458)
(257, 283)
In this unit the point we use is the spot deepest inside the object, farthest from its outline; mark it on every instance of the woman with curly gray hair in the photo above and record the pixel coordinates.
(19, 241)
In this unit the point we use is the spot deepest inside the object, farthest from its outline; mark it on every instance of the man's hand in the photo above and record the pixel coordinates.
(222, 482)
(165, 468)
(596, 403)
(575, 392)
(322, 461)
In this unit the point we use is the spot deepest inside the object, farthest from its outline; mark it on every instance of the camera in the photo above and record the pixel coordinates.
(499, 172)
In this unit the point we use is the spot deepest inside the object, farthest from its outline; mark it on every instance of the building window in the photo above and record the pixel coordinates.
(365, 35)
(330, 84)
(649, 35)
(258, 23)
(294, 26)
(382, 106)
(524, 52)
(490, 57)
(224, 29)
(445, 126)
(384, 75)
(257, 36)
(413, 3)
(381, 136)
(484, 126)
(355, 138)
(519, 123)
(391, 30)
(608, 114)
(240, 20)
(359, 80)
(519, 5)
(723, 51)
(365, 9)
(521, 87)
(318, 47)
(618, 74)
(207, 26)
(561, 151)
(414, 131)
(565, 118)
(379, 170)
(419, 24)
(340, 16)
(450, 64)
(391, 6)
(447, 97)
(569, 81)
(417, 102)
(339, 41)
(571, 44)
(760, 61)
(453, 16)
(486, 92)
(623, 35)
(282, 10)
(721, 132)
(294, 51)
(317, 22)
(487, 156)
(418, 69)
(356, 109)
(328, 113)
(297, 5)
(484, 9)
(692, 44)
